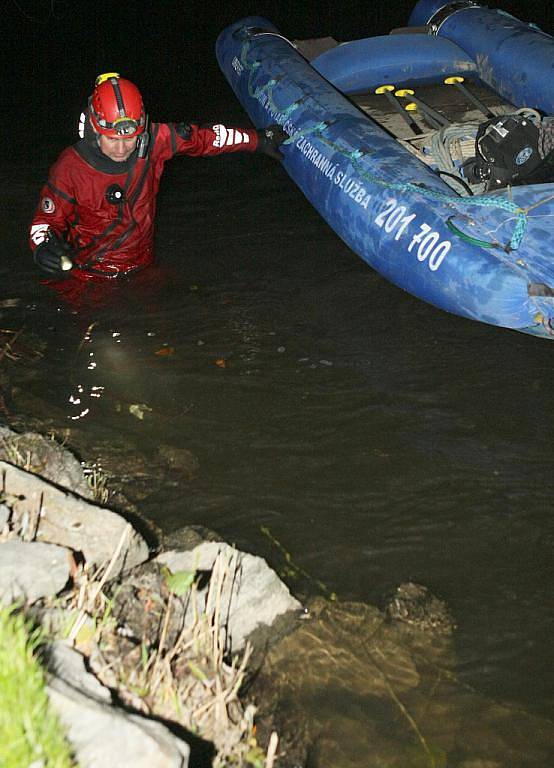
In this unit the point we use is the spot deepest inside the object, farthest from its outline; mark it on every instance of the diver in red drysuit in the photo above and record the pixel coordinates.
(95, 218)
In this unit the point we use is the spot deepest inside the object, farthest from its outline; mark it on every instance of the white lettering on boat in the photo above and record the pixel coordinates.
(394, 218)
(348, 184)
(276, 116)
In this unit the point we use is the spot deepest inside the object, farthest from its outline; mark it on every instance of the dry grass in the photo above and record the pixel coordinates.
(187, 681)
(12, 453)
(98, 483)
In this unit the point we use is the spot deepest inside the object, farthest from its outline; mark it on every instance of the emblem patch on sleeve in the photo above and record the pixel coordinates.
(47, 205)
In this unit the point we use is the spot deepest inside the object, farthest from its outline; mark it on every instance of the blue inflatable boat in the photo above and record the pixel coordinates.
(430, 151)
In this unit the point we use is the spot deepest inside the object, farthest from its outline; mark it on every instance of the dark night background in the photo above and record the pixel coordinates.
(55, 48)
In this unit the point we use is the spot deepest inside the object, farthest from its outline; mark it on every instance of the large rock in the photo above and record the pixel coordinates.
(46, 458)
(252, 594)
(101, 734)
(31, 570)
(68, 520)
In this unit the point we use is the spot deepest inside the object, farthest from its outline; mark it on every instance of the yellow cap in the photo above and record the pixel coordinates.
(385, 89)
(453, 80)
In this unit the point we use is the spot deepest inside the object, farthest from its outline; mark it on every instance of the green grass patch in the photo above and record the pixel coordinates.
(30, 733)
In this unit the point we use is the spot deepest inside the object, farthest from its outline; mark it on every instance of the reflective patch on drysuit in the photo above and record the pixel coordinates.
(38, 233)
(47, 205)
(227, 137)
(82, 121)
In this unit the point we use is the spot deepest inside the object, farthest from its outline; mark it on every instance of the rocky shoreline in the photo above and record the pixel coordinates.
(189, 652)
(145, 647)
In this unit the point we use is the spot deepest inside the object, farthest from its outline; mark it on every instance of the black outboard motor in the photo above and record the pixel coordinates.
(509, 152)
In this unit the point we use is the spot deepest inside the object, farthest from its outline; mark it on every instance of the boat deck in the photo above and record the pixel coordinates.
(449, 100)
(446, 99)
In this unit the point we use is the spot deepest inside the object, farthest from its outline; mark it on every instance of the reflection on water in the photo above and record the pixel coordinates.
(263, 377)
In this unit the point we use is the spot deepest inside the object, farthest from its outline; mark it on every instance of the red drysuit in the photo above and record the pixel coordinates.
(106, 210)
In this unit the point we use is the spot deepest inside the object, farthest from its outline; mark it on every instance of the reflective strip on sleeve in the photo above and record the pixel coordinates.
(229, 136)
(39, 233)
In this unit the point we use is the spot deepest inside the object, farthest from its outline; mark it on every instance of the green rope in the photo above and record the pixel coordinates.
(462, 235)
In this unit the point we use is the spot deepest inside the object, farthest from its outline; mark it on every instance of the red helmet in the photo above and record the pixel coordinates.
(116, 107)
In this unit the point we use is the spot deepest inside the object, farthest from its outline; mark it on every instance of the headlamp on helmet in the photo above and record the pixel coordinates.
(125, 126)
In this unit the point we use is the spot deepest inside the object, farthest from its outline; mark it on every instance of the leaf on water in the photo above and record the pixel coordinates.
(221, 362)
(139, 409)
(165, 351)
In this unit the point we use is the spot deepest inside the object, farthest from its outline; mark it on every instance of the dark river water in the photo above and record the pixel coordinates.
(377, 438)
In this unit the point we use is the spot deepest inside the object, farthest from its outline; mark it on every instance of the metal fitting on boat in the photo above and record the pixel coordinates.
(439, 17)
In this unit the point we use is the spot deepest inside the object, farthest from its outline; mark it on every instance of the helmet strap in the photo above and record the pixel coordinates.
(143, 140)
